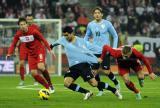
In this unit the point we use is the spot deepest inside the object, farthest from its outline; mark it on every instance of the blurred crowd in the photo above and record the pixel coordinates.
(129, 17)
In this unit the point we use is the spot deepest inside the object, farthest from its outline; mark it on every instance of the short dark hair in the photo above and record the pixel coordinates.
(126, 49)
(21, 19)
(97, 8)
(30, 15)
(67, 29)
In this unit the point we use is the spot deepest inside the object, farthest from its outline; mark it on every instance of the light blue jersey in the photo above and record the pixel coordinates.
(100, 31)
(79, 51)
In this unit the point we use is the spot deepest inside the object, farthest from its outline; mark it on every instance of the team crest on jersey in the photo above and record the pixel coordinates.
(28, 38)
(103, 26)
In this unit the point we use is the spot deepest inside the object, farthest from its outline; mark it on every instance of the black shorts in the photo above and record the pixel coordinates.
(105, 63)
(83, 69)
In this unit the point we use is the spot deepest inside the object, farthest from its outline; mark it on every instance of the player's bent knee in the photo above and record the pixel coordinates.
(67, 82)
(34, 72)
(93, 83)
(41, 66)
(127, 81)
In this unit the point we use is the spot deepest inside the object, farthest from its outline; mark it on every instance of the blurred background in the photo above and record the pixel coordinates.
(137, 22)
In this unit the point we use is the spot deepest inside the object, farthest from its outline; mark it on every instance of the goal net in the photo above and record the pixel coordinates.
(51, 30)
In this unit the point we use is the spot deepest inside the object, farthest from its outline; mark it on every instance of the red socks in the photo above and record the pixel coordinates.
(42, 81)
(22, 72)
(47, 77)
(132, 87)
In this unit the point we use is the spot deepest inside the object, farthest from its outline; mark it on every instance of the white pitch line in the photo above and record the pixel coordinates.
(29, 87)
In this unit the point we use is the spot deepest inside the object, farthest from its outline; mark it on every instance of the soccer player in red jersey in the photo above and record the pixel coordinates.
(23, 55)
(128, 57)
(33, 40)
(30, 22)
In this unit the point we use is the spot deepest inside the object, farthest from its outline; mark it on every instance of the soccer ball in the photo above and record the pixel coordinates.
(44, 94)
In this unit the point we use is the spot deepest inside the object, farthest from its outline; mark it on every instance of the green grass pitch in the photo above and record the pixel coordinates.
(12, 96)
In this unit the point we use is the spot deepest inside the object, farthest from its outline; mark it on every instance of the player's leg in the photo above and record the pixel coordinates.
(112, 77)
(22, 58)
(87, 75)
(69, 79)
(106, 86)
(39, 78)
(140, 74)
(45, 73)
(32, 61)
(96, 70)
(107, 71)
(69, 83)
(129, 84)
(42, 67)
(22, 72)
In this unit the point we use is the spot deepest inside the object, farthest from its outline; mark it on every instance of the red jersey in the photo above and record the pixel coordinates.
(35, 27)
(124, 62)
(32, 40)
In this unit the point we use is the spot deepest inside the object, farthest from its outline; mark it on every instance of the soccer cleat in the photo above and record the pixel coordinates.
(21, 83)
(51, 90)
(118, 87)
(100, 93)
(138, 96)
(118, 94)
(87, 95)
(35, 83)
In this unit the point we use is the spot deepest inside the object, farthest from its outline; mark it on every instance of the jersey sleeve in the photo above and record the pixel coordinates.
(13, 44)
(42, 39)
(113, 52)
(94, 48)
(58, 42)
(37, 27)
(88, 33)
(113, 33)
(143, 59)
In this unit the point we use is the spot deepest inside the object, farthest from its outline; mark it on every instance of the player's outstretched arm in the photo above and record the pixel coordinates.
(12, 46)
(53, 45)
(152, 76)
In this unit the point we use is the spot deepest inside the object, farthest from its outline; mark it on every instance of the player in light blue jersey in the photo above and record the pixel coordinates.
(80, 57)
(100, 30)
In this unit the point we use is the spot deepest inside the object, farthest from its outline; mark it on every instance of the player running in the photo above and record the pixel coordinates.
(33, 40)
(23, 54)
(99, 30)
(80, 59)
(129, 58)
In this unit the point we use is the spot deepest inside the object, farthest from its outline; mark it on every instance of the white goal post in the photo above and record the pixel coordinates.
(51, 29)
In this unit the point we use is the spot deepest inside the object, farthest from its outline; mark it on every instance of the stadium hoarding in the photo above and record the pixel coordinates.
(149, 44)
(7, 67)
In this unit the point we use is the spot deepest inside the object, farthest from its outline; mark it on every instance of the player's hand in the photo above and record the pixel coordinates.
(152, 76)
(100, 60)
(51, 46)
(7, 56)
